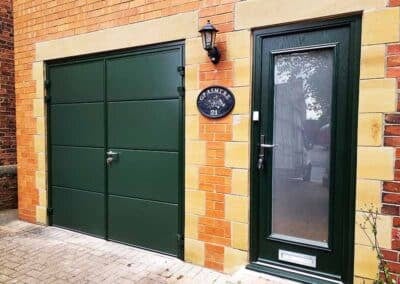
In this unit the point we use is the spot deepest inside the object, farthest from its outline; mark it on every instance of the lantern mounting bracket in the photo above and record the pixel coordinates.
(214, 55)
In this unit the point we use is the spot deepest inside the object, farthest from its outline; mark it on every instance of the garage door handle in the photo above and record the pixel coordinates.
(111, 157)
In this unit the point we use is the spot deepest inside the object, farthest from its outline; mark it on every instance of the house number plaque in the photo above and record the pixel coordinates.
(215, 102)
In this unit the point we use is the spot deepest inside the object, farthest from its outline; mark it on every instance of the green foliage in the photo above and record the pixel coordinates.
(369, 225)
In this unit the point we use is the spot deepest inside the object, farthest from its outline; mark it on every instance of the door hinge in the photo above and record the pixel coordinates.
(180, 240)
(50, 211)
(47, 84)
(181, 91)
(181, 70)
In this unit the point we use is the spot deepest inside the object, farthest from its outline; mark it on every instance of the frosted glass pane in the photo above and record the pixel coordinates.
(302, 127)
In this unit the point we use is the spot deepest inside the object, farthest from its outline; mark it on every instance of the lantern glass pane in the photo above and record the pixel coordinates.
(214, 35)
(208, 38)
(203, 38)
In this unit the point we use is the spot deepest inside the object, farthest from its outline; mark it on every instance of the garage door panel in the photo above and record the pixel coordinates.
(78, 124)
(126, 103)
(151, 125)
(144, 76)
(145, 174)
(79, 210)
(78, 82)
(78, 167)
(144, 223)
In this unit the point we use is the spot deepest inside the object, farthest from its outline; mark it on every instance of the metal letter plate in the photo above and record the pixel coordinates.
(298, 258)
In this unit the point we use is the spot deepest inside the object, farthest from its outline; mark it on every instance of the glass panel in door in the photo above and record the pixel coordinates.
(301, 157)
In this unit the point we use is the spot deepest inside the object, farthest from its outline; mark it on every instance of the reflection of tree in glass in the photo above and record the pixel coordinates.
(315, 70)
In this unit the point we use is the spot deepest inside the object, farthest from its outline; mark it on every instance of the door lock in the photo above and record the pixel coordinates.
(111, 157)
(261, 155)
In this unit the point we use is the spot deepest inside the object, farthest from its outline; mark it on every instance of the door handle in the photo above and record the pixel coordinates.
(261, 155)
(111, 157)
(267, 145)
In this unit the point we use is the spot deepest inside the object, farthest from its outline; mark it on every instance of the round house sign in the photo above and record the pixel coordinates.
(215, 102)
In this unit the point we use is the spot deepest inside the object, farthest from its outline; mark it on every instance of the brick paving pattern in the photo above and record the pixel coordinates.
(37, 254)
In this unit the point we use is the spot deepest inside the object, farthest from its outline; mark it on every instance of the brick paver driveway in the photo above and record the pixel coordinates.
(37, 254)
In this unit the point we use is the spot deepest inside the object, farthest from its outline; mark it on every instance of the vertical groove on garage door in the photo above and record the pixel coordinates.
(136, 94)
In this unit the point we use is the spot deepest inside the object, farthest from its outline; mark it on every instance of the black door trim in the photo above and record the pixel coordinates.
(116, 54)
(354, 23)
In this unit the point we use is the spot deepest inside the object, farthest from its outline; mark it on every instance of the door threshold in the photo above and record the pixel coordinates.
(290, 274)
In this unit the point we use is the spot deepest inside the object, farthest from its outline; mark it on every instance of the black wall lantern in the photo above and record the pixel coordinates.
(208, 35)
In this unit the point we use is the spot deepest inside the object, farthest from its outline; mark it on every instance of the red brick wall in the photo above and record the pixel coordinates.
(37, 21)
(8, 191)
(7, 106)
(391, 190)
(43, 20)
(215, 179)
(393, 3)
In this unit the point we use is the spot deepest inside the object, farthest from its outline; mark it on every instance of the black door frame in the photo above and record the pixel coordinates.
(181, 89)
(354, 23)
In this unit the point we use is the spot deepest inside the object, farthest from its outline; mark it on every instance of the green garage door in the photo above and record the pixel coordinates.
(116, 147)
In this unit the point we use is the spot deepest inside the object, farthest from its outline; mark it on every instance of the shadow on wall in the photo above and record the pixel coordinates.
(8, 187)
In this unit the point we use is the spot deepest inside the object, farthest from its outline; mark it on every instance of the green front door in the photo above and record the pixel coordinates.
(116, 146)
(304, 149)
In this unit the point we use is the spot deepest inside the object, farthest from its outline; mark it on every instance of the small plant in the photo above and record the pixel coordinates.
(369, 225)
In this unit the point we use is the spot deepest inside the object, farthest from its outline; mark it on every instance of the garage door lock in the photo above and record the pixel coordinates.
(111, 157)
